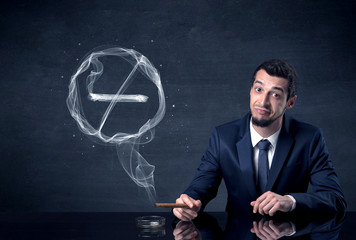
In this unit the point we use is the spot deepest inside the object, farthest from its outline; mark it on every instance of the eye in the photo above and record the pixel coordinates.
(276, 95)
(258, 89)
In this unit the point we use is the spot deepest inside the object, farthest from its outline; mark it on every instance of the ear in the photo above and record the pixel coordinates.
(291, 102)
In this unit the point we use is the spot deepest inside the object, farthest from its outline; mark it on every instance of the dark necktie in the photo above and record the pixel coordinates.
(263, 168)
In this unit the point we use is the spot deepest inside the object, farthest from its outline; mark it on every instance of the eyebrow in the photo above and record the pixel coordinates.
(276, 88)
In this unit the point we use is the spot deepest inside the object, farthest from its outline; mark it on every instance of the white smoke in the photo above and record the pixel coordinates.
(127, 145)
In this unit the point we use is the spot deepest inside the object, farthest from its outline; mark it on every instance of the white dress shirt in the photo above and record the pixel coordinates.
(255, 138)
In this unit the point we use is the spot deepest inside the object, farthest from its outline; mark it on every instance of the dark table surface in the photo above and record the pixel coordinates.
(215, 225)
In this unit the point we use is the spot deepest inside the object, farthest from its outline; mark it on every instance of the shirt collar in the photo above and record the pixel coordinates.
(255, 137)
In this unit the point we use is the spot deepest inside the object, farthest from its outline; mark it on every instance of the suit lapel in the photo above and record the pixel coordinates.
(284, 145)
(244, 151)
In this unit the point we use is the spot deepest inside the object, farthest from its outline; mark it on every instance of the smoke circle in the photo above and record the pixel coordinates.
(139, 63)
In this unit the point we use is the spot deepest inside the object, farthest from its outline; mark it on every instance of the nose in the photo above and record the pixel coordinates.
(264, 99)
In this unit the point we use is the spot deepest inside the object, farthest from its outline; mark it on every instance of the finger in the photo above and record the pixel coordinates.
(188, 214)
(261, 231)
(253, 227)
(187, 200)
(182, 226)
(269, 231)
(262, 205)
(179, 213)
(255, 207)
(268, 206)
(184, 230)
(185, 217)
(258, 202)
(179, 200)
(178, 237)
(197, 205)
(276, 207)
(189, 233)
(257, 231)
(274, 227)
(185, 214)
(177, 231)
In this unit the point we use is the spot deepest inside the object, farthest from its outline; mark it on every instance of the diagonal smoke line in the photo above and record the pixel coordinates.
(113, 102)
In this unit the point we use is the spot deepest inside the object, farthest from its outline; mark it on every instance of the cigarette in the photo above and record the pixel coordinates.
(171, 205)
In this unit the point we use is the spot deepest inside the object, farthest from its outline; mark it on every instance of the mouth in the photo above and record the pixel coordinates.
(262, 111)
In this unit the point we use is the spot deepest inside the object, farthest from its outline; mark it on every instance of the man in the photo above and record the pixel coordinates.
(267, 159)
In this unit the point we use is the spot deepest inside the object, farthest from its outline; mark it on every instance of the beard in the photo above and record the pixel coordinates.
(262, 122)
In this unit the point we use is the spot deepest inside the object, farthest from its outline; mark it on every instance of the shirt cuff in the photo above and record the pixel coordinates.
(294, 231)
(294, 202)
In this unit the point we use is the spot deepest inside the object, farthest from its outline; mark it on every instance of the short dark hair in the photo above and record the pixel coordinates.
(280, 68)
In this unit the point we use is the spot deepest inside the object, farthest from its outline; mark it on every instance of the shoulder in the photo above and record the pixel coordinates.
(234, 128)
(239, 123)
(299, 128)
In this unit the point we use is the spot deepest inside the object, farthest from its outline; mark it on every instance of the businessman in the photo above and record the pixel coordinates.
(269, 161)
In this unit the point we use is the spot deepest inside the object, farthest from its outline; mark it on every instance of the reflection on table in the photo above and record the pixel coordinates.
(283, 226)
(215, 225)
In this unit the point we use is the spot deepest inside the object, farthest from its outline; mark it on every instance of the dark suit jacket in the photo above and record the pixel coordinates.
(301, 158)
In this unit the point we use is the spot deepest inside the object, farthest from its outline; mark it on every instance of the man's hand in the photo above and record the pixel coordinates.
(271, 230)
(269, 203)
(187, 214)
(186, 230)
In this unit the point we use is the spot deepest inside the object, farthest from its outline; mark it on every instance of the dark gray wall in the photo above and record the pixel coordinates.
(205, 52)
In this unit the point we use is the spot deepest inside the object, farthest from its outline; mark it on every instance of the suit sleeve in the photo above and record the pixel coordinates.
(208, 175)
(325, 192)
